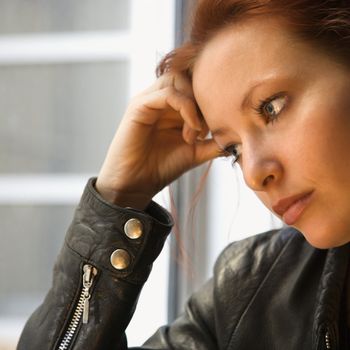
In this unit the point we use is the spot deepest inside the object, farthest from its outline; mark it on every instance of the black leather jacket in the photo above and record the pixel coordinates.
(269, 291)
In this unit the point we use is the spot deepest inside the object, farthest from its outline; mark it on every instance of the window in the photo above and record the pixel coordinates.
(67, 70)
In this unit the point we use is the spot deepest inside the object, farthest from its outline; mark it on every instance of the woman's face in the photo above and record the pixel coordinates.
(295, 155)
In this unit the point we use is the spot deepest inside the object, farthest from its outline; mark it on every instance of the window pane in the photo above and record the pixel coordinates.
(31, 237)
(59, 118)
(18, 16)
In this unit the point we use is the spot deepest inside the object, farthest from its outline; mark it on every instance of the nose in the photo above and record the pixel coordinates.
(261, 167)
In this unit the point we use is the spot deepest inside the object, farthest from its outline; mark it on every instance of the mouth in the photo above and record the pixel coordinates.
(291, 208)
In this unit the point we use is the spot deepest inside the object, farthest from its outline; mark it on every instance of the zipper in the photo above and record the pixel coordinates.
(81, 310)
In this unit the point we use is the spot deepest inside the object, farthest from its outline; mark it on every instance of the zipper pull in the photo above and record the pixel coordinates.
(86, 309)
(88, 277)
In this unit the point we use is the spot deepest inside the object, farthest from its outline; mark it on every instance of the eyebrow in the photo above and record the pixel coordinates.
(248, 95)
(219, 131)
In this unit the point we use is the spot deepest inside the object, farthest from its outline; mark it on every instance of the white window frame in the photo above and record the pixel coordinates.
(150, 36)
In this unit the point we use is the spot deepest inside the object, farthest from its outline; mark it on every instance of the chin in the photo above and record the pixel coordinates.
(322, 238)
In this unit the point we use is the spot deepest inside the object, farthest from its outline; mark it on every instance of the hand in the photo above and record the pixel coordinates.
(161, 136)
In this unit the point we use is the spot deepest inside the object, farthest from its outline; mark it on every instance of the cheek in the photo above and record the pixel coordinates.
(325, 142)
(319, 135)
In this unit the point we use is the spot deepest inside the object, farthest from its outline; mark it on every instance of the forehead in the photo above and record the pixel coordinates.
(255, 49)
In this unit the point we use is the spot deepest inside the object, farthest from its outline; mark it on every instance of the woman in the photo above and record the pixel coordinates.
(271, 81)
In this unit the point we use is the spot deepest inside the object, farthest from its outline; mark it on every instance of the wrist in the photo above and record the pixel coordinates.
(122, 198)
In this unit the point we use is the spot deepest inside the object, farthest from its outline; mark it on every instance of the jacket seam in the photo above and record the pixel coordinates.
(74, 251)
(91, 191)
(102, 268)
(258, 290)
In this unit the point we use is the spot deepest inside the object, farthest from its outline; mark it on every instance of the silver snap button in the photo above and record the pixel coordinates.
(133, 228)
(120, 259)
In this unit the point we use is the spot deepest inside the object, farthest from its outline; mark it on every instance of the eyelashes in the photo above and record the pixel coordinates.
(270, 110)
(232, 151)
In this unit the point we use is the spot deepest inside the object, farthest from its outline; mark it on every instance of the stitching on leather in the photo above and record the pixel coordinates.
(73, 250)
(120, 277)
(92, 192)
(259, 287)
(99, 266)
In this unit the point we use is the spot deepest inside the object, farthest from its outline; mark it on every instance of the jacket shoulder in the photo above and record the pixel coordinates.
(256, 251)
(243, 268)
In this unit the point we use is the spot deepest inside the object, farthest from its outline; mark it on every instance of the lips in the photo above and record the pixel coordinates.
(283, 205)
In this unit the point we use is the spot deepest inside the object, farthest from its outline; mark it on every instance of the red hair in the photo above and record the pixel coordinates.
(324, 23)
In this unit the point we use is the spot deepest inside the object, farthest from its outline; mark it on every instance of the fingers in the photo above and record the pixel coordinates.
(189, 135)
(186, 107)
(153, 106)
(206, 150)
(179, 81)
(183, 85)
(172, 91)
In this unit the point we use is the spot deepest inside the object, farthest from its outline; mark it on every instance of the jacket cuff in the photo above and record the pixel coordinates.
(99, 230)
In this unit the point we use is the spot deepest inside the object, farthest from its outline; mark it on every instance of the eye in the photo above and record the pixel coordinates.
(232, 151)
(271, 107)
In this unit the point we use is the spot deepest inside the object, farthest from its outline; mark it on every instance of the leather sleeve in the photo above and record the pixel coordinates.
(97, 230)
(212, 318)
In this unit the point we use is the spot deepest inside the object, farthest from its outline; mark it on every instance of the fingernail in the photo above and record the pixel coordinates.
(194, 137)
(198, 127)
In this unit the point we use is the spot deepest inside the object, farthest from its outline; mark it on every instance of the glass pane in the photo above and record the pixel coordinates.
(18, 16)
(59, 118)
(31, 237)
